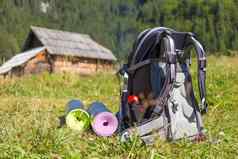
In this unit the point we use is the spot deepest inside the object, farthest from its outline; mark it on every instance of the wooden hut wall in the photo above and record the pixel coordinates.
(16, 71)
(79, 65)
(73, 64)
(40, 63)
(104, 65)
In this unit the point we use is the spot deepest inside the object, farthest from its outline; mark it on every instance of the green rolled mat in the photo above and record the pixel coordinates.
(76, 117)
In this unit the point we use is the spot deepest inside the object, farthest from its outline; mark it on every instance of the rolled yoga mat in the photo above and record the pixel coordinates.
(76, 117)
(104, 123)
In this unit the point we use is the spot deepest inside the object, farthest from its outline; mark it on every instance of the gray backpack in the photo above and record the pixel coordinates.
(157, 99)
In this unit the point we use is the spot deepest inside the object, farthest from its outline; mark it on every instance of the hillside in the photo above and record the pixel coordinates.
(116, 23)
(30, 106)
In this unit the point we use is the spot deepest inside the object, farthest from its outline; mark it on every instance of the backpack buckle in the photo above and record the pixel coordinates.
(203, 106)
(202, 63)
(179, 52)
(123, 70)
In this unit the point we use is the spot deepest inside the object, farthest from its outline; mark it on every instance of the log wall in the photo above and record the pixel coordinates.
(40, 63)
(80, 65)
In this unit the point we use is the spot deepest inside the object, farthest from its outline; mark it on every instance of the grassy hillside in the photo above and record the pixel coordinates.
(29, 108)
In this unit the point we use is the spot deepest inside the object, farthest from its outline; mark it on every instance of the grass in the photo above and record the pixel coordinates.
(29, 107)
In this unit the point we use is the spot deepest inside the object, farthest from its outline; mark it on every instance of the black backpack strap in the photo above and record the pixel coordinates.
(162, 99)
(201, 58)
(147, 43)
(135, 45)
(143, 63)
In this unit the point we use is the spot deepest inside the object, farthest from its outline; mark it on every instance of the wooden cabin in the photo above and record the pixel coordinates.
(59, 51)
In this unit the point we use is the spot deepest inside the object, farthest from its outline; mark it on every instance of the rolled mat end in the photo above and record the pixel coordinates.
(78, 119)
(105, 124)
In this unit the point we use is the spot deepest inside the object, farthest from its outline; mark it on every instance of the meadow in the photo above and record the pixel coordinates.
(30, 106)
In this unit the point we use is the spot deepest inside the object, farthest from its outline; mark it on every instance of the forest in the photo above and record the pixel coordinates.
(116, 23)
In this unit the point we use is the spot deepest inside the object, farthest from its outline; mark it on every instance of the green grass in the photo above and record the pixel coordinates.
(29, 108)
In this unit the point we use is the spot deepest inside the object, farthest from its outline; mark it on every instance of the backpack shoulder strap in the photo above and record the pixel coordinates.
(201, 58)
(171, 61)
(147, 42)
(135, 44)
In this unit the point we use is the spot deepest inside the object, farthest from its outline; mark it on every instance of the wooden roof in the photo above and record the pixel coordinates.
(20, 59)
(67, 43)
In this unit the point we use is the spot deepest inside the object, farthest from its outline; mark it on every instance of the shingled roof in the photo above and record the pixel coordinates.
(20, 59)
(67, 43)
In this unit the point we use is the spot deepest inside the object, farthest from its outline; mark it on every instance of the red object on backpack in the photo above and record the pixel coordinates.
(132, 99)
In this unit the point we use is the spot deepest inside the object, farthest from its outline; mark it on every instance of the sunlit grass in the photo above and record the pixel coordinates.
(29, 108)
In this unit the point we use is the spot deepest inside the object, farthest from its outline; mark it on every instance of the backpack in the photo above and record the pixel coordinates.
(157, 98)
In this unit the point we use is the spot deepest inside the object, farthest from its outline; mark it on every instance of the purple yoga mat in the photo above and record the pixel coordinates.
(105, 124)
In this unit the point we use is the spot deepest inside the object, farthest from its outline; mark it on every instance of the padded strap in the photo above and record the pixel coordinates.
(137, 66)
(201, 58)
(145, 45)
(133, 68)
(170, 78)
(172, 59)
